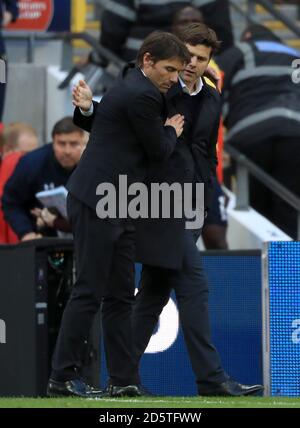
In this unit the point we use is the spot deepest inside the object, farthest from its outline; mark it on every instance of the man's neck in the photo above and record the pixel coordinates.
(192, 86)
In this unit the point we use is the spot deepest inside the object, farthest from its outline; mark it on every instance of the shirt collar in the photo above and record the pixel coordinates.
(185, 89)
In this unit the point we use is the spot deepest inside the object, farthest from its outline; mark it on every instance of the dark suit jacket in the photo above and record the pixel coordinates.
(127, 132)
(160, 242)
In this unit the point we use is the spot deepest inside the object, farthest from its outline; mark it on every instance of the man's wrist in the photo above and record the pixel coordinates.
(88, 112)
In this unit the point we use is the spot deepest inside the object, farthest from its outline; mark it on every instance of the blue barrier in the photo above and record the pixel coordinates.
(281, 299)
(235, 306)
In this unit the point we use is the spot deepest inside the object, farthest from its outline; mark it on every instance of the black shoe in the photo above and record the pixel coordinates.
(72, 388)
(230, 388)
(126, 391)
(145, 392)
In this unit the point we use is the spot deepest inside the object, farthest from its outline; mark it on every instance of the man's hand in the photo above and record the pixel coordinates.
(177, 122)
(82, 96)
(7, 18)
(48, 218)
(44, 218)
(31, 235)
(214, 76)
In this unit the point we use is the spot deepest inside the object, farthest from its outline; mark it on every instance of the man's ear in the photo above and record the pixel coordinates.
(147, 59)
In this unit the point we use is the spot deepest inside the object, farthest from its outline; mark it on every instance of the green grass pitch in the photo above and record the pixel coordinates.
(153, 402)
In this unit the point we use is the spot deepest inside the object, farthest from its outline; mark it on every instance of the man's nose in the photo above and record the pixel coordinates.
(67, 149)
(193, 61)
(174, 77)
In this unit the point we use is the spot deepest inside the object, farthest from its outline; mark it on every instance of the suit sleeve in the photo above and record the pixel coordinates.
(117, 20)
(16, 200)
(84, 122)
(204, 142)
(144, 113)
(12, 7)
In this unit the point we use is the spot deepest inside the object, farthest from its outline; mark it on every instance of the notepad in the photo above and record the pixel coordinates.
(54, 198)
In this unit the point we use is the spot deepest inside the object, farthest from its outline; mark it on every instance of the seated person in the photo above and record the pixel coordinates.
(48, 167)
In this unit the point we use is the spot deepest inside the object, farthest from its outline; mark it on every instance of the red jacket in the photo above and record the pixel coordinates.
(7, 167)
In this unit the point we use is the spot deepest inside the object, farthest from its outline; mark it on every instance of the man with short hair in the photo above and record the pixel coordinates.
(128, 131)
(164, 270)
(179, 265)
(45, 168)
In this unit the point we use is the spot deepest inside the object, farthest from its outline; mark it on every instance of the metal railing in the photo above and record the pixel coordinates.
(246, 167)
(66, 38)
(269, 7)
(266, 4)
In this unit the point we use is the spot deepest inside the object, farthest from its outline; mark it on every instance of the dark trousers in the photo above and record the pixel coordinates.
(191, 289)
(281, 159)
(104, 253)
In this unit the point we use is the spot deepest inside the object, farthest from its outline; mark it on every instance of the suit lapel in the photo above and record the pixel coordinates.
(171, 99)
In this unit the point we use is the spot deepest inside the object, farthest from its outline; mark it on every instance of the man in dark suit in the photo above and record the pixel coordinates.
(179, 265)
(128, 131)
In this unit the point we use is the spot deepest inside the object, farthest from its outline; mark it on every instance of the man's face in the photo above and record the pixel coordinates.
(163, 74)
(68, 148)
(200, 57)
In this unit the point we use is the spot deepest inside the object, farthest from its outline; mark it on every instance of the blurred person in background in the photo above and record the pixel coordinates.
(263, 116)
(18, 138)
(125, 23)
(8, 13)
(45, 168)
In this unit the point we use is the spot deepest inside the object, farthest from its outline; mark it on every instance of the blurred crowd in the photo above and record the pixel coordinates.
(261, 115)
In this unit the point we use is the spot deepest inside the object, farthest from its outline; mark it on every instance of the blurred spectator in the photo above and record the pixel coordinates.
(18, 138)
(126, 23)
(8, 13)
(263, 117)
(186, 15)
(43, 169)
